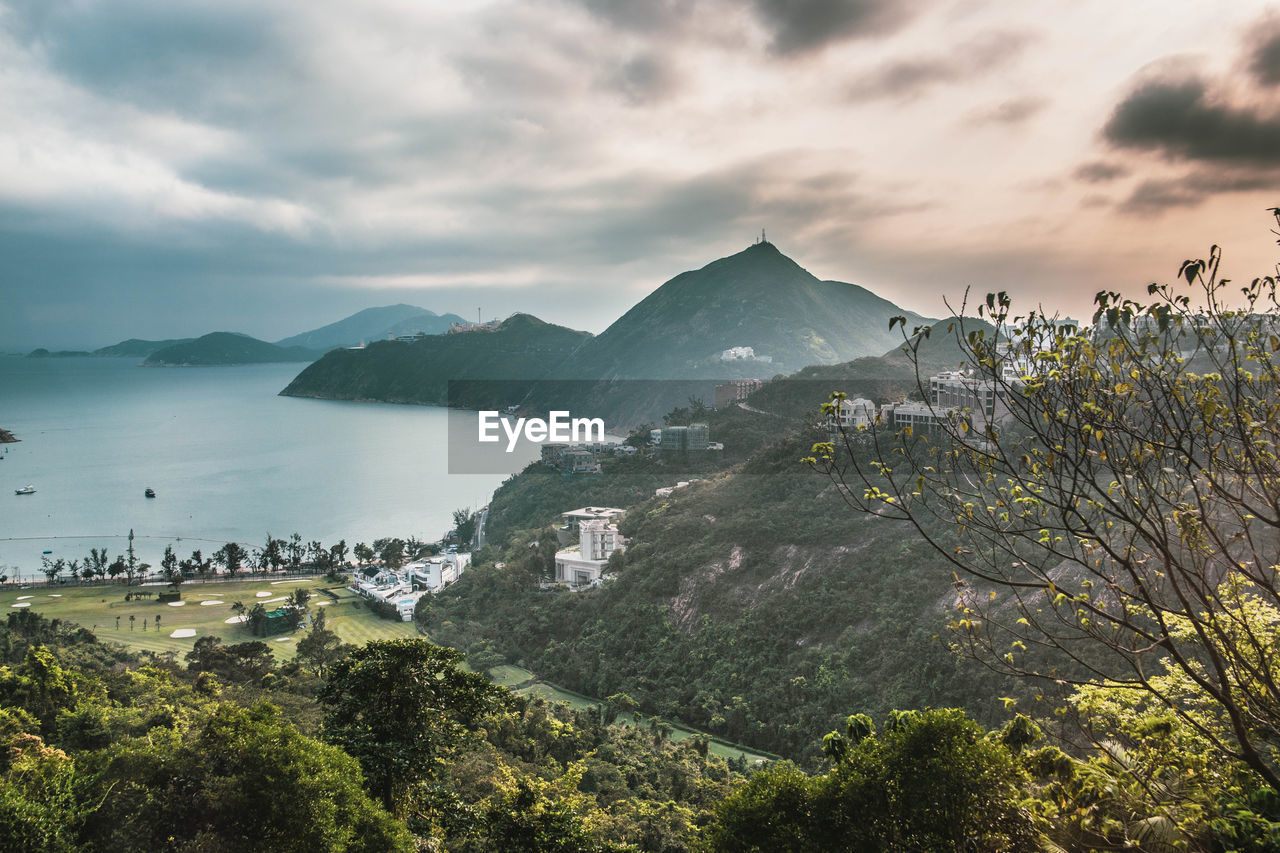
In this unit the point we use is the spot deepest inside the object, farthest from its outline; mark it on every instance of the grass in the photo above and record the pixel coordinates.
(96, 608)
(524, 682)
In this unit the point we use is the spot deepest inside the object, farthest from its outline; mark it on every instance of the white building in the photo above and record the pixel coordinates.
(858, 413)
(738, 353)
(574, 517)
(581, 565)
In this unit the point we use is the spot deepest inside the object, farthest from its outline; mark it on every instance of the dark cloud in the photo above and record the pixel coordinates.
(1011, 112)
(1180, 120)
(200, 58)
(649, 16)
(1099, 172)
(1264, 58)
(909, 78)
(1159, 195)
(648, 78)
(800, 26)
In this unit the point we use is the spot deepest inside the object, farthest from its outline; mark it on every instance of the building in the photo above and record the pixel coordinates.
(681, 439)
(738, 353)
(582, 565)
(858, 413)
(575, 517)
(551, 454)
(578, 462)
(731, 392)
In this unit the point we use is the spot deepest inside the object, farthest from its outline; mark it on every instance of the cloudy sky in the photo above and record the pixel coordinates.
(172, 168)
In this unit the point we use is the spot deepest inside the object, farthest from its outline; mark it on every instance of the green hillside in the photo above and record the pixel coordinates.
(137, 347)
(758, 298)
(226, 348)
(522, 348)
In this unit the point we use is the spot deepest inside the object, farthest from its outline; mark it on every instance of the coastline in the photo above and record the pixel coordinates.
(7, 437)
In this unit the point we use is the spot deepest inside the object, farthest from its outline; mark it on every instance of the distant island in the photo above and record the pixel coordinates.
(221, 348)
(7, 437)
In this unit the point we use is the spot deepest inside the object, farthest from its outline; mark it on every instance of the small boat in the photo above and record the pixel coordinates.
(25, 490)
(151, 493)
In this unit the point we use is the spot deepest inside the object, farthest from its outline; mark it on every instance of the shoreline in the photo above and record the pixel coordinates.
(7, 437)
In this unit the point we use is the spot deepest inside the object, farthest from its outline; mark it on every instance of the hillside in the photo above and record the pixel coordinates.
(523, 348)
(752, 603)
(137, 347)
(758, 298)
(226, 348)
(372, 324)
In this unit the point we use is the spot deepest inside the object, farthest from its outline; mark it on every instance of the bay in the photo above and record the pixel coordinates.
(228, 458)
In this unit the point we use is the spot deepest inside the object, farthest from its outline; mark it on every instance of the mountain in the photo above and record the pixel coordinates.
(758, 298)
(672, 341)
(137, 347)
(373, 324)
(226, 348)
(520, 349)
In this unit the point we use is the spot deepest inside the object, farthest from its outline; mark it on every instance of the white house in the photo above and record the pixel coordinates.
(858, 413)
(581, 565)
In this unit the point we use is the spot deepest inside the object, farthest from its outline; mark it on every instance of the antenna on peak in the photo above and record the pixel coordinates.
(762, 237)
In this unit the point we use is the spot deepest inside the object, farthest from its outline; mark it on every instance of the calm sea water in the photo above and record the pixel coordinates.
(227, 457)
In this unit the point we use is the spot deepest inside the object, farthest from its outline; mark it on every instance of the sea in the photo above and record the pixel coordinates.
(228, 459)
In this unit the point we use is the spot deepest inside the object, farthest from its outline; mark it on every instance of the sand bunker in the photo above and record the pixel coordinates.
(262, 594)
(183, 633)
(296, 580)
(55, 595)
(175, 603)
(323, 603)
(21, 597)
(274, 600)
(237, 619)
(21, 604)
(207, 603)
(283, 639)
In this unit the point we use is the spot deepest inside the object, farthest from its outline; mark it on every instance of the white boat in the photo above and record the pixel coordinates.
(25, 490)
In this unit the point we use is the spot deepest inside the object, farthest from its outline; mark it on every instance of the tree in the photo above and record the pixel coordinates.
(391, 551)
(320, 648)
(117, 567)
(400, 706)
(249, 781)
(201, 565)
(931, 780)
(169, 566)
(231, 557)
(1119, 513)
(641, 437)
(464, 525)
(363, 552)
(296, 550)
(97, 561)
(52, 568)
(339, 552)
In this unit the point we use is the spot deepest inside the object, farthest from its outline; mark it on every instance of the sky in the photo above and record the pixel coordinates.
(169, 169)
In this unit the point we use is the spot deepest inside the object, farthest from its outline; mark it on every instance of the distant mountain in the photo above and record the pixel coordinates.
(758, 298)
(757, 303)
(41, 352)
(138, 348)
(373, 324)
(522, 348)
(227, 348)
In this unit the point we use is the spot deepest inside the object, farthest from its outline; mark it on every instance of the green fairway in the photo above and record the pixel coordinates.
(97, 608)
(526, 683)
